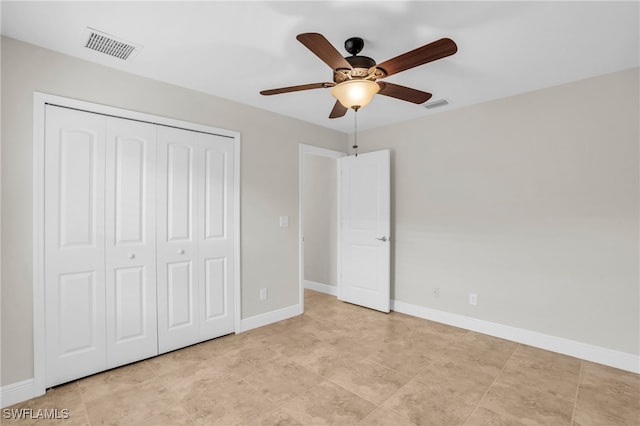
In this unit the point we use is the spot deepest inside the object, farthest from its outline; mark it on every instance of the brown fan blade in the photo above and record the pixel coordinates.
(338, 110)
(324, 50)
(429, 52)
(403, 93)
(296, 88)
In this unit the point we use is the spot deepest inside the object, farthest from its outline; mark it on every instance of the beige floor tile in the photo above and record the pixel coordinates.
(607, 395)
(485, 353)
(277, 417)
(283, 380)
(383, 417)
(185, 384)
(245, 360)
(484, 417)
(407, 357)
(456, 379)
(294, 344)
(147, 404)
(328, 404)
(221, 345)
(62, 405)
(423, 406)
(227, 404)
(545, 371)
(179, 360)
(252, 352)
(367, 379)
(322, 358)
(119, 379)
(524, 403)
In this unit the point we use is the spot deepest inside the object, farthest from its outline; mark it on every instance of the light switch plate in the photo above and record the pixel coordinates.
(284, 221)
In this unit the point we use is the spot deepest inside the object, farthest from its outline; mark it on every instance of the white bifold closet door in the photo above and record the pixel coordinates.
(139, 240)
(195, 237)
(130, 235)
(74, 245)
(99, 243)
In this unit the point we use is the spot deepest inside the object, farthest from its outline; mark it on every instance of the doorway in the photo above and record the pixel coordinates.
(319, 206)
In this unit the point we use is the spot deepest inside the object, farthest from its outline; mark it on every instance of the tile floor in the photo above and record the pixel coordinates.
(340, 364)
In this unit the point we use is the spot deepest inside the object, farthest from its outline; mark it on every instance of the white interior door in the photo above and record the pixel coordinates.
(177, 238)
(74, 244)
(216, 236)
(130, 241)
(364, 258)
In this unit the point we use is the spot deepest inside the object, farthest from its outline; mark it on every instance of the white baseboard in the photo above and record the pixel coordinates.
(267, 318)
(322, 288)
(597, 354)
(16, 392)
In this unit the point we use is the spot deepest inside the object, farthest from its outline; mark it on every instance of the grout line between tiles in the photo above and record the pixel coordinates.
(84, 404)
(575, 400)
(492, 383)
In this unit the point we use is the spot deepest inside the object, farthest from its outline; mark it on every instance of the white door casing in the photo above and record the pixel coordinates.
(74, 267)
(364, 252)
(130, 236)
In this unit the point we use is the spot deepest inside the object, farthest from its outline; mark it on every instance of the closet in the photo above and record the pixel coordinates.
(138, 240)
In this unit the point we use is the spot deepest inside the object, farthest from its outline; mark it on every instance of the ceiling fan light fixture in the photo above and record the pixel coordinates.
(355, 93)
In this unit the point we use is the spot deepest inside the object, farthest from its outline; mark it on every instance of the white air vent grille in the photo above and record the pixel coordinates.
(436, 104)
(109, 45)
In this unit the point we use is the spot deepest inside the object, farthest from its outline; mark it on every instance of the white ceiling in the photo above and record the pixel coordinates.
(234, 49)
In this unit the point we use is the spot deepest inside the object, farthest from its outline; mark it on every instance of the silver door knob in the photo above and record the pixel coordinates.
(382, 239)
(180, 251)
(131, 256)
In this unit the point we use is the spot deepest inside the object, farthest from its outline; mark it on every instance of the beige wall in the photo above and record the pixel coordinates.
(531, 202)
(320, 217)
(269, 178)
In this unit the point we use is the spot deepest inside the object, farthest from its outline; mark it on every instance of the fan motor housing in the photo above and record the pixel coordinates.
(360, 61)
(363, 67)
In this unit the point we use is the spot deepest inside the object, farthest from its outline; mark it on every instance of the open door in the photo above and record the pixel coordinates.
(364, 240)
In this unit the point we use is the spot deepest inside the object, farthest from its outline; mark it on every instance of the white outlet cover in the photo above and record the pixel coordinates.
(473, 299)
(284, 221)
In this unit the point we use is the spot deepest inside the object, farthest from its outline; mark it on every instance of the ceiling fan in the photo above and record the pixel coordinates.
(355, 78)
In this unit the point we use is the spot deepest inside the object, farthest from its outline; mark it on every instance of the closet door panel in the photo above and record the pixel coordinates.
(177, 246)
(180, 294)
(216, 236)
(74, 244)
(131, 241)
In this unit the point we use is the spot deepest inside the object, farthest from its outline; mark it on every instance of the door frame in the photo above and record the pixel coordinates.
(320, 152)
(40, 100)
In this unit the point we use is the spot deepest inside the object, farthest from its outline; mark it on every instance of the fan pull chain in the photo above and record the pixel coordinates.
(355, 141)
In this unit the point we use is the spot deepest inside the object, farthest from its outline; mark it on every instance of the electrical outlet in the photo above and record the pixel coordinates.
(263, 294)
(435, 292)
(473, 299)
(284, 221)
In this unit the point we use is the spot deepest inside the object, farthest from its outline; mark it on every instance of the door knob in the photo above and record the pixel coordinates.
(180, 251)
(131, 256)
(382, 239)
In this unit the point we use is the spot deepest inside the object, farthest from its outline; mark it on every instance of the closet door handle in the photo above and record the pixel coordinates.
(180, 251)
(131, 256)
(383, 239)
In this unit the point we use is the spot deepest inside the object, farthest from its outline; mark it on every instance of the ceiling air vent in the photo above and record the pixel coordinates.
(436, 104)
(110, 45)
